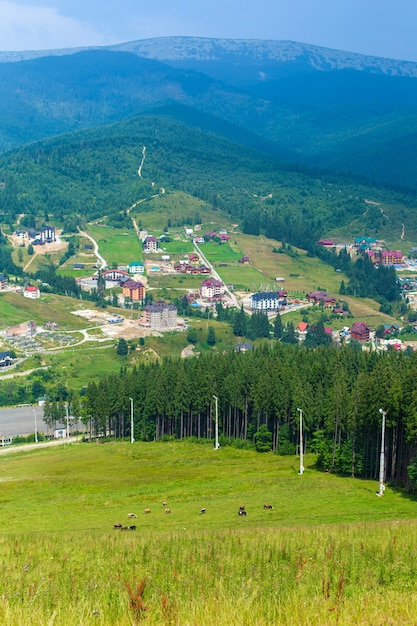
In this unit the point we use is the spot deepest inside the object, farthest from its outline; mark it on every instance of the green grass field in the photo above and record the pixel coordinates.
(116, 245)
(329, 552)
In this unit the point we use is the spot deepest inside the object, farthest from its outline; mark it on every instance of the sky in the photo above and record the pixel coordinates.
(377, 27)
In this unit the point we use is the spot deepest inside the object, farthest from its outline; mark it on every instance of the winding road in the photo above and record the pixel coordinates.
(103, 263)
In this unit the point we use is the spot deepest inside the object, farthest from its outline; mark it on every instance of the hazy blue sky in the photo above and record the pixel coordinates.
(378, 27)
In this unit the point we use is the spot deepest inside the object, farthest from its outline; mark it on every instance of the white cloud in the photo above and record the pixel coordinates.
(25, 27)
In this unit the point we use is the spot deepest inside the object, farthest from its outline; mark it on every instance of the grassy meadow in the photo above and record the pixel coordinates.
(329, 552)
(116, 246)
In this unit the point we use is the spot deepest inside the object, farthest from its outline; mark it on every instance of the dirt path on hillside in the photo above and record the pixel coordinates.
(103, 262)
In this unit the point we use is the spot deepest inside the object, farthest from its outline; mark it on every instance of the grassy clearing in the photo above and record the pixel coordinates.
(116, 245)
(301, 273)
(329, 552)
(14, 308)
(174, 206)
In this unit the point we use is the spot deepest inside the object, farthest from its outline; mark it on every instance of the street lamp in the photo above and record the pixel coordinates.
(132, 439)
(216, 425)
(67, 418)
(382, 457)
(36, 426)
(301, 441)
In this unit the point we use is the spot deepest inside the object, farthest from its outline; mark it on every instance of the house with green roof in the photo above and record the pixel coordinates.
(136, 267)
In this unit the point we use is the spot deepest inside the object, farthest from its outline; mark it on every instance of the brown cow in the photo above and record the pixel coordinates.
(124, 528)
(268, 506)
(117, 525)
(242, 507)
(147, 510)
(167, 510)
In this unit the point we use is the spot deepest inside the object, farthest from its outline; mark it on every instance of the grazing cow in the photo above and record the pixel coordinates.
(132, 527)
(124, 528)
(147, 510)
(167, 510)
(242, 512)
(268, 506)
(117, 525)
(132, 515)
(164, 504)
(242, 508)
(202, 511)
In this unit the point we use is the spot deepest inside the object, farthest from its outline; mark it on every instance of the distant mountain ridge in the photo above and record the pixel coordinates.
(305, 105)
(247, 51)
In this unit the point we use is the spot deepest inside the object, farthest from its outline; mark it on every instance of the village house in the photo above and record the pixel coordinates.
(133, 290)
(3, 281)
(5, 359)
(32, 292)
(160, 316)
(365, 243)
(301, 330)
(243, 259)
(244, 347)
(150, 244)
(212, 289)
(136, 267)
(47, 234)
(360, 331)
(321, 298)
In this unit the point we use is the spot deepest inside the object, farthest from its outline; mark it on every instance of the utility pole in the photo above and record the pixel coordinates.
(36, 426)
(132, 438)
(216, 425)
(382, 456)
(301, 441)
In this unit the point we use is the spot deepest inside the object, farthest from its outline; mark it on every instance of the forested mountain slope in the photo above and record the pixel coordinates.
(308, 105)
(94, 173)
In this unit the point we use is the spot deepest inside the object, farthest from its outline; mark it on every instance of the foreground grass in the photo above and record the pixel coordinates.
(329, 552)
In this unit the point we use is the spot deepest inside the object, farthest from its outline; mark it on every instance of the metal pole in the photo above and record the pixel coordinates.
(132, 439)
(382, 457)
(301, 441)
(66, 412)
(36, 426)
(216, 425)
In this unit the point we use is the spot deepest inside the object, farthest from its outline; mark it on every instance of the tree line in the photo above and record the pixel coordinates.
(339, 390)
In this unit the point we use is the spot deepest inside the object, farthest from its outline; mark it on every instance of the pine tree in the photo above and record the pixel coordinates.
(278, 328)
(211, 336)
(122, 347)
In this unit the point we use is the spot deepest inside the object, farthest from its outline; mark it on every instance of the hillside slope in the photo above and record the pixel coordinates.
(91, 173)
(303, 104)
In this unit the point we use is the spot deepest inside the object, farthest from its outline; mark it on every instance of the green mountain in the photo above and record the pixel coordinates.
(305, 105)
(93, 173)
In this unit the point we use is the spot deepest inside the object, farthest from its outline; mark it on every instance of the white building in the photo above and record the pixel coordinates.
(212, 288)
(267, 301)
(136, 267)
(32, 292)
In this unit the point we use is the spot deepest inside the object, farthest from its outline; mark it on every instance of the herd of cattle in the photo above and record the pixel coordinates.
(241, 512)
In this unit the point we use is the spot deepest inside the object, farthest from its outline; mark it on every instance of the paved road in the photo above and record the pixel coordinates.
(21, 421)
(42, 444)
